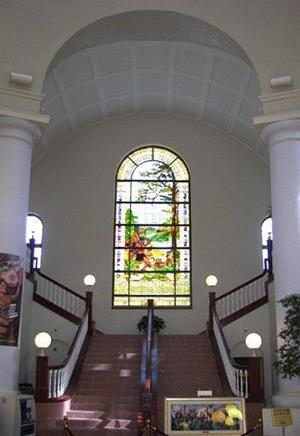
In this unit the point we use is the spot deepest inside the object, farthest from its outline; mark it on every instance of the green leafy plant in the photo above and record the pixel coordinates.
(288, 361)
(158, 323)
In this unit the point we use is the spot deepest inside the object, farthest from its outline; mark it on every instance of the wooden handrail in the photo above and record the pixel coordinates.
(237, 375)
(65, 362)
(242, 286)
(229, 354)
(243, 299)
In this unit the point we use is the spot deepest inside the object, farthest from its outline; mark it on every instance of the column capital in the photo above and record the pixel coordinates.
(27, 131)
(281, 131)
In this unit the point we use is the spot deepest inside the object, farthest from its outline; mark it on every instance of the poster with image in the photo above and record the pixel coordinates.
(199, 416)
(11, 283)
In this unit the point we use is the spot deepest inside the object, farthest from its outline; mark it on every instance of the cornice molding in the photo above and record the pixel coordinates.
(16, 92)
(35, 117)
(282, 95)
(275, 117)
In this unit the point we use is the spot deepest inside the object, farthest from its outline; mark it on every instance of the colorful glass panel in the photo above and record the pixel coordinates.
(152, 230)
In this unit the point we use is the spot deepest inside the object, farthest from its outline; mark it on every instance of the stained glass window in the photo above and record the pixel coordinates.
(152, 230)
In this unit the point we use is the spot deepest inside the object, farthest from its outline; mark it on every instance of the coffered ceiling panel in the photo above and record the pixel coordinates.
(200, 82)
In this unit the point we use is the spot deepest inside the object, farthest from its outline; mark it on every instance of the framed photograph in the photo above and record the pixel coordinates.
(216, 416)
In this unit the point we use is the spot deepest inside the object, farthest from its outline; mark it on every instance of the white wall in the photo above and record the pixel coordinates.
(73, 192)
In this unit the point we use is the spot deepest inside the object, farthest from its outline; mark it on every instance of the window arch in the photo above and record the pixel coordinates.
(34, 228)
(152, 230)
(266, 233)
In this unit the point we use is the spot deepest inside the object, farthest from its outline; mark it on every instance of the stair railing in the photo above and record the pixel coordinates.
(237, 375)
(52, 294)
(52, 381)
(243, 299)
(58, 297)
(60, 375)
(148, 395)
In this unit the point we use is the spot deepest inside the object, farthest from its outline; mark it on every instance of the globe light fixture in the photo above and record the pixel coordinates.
(42, 341)
(211, 281)
(253, 342)
(89, 280)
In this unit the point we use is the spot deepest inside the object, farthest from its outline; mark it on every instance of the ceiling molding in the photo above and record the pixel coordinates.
(25, 115)
(17, 92)
(281, 95)
(275, 117)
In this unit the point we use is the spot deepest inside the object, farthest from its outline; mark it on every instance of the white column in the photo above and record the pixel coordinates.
(283, 138)
(16, 141)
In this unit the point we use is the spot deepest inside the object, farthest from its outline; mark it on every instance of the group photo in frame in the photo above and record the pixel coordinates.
(217, 416)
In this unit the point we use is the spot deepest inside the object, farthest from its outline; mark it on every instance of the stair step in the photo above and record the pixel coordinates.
(84, 413)
(82, 423)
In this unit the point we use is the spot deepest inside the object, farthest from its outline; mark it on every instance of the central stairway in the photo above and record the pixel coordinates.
(106, 398)
(105, 401)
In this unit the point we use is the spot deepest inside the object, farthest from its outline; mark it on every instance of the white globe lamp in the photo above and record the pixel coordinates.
(42, 341)
(211, 281)
(253, 342)
(89, 280)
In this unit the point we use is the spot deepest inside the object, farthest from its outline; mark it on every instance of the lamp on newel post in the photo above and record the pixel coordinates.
(42, 341)
(211, 282)
(89, 281)
(253, 342)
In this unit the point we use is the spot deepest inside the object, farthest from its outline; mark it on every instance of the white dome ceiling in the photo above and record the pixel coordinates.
(189, 68)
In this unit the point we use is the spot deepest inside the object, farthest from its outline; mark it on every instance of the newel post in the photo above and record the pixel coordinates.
(212, 305)
(42, 379)
(270, 255)
(31, 245)
(89, 307)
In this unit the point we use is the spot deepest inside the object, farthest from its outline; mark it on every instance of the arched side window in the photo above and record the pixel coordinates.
(34, 228)
(152, 230)
(266, 233)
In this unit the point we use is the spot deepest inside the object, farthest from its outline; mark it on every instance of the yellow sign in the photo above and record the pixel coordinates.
(282, 417)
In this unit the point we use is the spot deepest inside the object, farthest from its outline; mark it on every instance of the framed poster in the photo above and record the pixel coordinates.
(11, 283)
(205, 416)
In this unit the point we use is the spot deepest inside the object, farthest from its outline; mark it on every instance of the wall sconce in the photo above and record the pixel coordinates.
(89, 280)
(253, 342)
(42, 341)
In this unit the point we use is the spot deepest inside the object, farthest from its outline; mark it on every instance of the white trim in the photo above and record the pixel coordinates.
(282, 95)
(36, 117)
(16, 92)
(274, 117)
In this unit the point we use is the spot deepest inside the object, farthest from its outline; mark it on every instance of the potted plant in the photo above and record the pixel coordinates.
(288, 361)
(158, 324)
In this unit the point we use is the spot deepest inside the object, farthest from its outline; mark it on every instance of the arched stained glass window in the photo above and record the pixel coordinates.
(152, 230)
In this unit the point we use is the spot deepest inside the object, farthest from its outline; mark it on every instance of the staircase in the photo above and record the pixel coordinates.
(186, 363)
(105, 400)
(107, 395)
